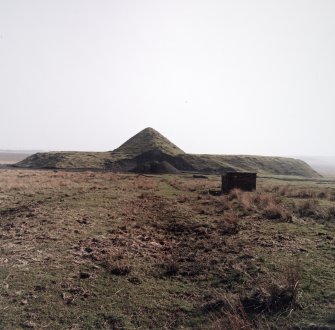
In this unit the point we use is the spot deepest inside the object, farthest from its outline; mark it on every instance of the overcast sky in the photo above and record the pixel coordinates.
(214, 76)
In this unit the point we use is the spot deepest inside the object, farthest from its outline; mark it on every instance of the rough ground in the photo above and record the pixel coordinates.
(116, 251)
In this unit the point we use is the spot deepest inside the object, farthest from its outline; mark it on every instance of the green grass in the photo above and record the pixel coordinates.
(311, 255)
(103, 250)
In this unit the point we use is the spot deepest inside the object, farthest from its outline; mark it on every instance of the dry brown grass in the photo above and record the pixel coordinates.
(142, 182)
(284, 203)
(278, 295)
(307, 209)
(104, 249)
(32, 181)
(266, 203)
(230, 315)
(293, 191)
(193, 184)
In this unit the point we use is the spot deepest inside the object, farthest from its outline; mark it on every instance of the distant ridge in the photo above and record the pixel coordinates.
(148, 140)
(13, 156)
(10, 151)
(149, 151)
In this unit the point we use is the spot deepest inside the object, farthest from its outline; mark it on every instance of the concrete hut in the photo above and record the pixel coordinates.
(240, 180)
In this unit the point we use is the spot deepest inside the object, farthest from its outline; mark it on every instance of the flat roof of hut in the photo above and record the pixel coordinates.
(240, 180)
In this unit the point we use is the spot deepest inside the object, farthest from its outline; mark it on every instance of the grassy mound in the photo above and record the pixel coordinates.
(149, 146)
(147, 140)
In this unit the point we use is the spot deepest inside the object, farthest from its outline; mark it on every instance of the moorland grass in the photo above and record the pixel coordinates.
(113, 251)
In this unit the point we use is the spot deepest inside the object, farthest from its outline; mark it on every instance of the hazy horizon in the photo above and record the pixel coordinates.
(214, 77)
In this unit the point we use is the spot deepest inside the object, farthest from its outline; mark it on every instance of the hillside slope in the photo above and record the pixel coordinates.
(149, 149)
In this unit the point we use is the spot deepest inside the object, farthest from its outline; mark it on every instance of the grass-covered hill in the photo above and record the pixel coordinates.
(149, 149)
(147, 140)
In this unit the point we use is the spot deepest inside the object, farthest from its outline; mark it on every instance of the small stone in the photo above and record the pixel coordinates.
(88, 249)
(84, 275)
(28, 325)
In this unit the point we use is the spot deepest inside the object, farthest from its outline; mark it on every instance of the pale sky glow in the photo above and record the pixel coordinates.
(214, 76)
